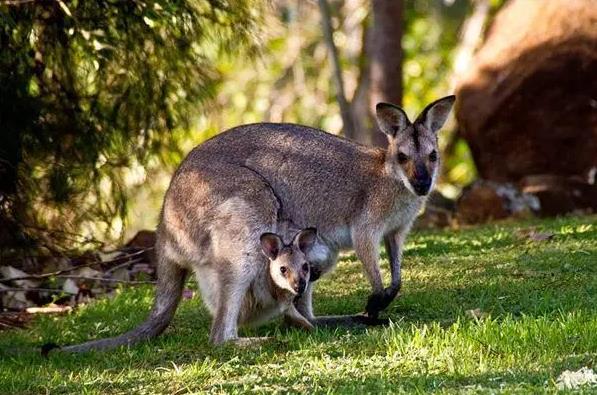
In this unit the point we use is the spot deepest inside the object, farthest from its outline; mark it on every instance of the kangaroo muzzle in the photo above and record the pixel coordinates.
(422, 187)
(421, 182)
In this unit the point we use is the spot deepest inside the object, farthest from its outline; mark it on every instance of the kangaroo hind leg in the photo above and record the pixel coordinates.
(232, 289)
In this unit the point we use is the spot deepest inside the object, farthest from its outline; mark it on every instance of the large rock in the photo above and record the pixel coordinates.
(485, 201)
(529, 103)
(561, 195)
(542, 195)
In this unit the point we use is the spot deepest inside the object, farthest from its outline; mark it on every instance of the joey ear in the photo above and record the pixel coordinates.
(305, 239)
(271, 244)
(391, 119)
(435, 114)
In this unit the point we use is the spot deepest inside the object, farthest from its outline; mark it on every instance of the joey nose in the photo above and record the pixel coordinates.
(300, 287)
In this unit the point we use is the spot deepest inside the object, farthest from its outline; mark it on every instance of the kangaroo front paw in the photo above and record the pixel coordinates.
(380, 301)
(47, 348)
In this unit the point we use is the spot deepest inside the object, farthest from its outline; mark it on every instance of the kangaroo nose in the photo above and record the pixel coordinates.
(421, 187)
(421, 182)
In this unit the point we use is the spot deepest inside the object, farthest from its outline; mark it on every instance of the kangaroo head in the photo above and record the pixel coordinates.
(413, 154)
(288, 266)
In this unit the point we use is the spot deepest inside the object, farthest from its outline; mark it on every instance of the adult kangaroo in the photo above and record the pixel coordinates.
(356, 196)
(245, 181)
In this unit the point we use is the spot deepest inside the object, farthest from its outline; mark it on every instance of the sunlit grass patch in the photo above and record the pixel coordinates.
(482, 310)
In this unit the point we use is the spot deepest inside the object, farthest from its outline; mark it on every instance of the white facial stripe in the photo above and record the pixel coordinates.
(433, 178)
(280, 280)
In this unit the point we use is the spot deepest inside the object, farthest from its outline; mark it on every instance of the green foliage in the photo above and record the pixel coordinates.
(537, 317)
(97, 96)
(291, 81)
(89, 89)
(430, 39)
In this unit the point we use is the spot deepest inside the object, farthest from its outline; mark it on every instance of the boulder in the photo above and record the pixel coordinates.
(484, 201)
(528, 104)
(561, 195)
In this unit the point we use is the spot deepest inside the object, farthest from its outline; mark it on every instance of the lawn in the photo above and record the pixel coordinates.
(535, 315)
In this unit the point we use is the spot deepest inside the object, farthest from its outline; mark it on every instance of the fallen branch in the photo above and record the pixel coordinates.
(48, 309)
(33, 289)
(109, 280)
(122, 265)
(59, 272)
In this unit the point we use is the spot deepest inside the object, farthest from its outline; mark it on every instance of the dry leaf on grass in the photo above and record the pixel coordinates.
(572, 380)
(534, 235)
(13, 320)
(477, 314)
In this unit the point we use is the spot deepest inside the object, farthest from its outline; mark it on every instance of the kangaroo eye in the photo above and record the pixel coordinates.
(402, 158)
(433, 156)
(305, 267)
(283, 269)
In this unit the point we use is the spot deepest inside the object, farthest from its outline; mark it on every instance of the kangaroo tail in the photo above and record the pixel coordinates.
(171, 280)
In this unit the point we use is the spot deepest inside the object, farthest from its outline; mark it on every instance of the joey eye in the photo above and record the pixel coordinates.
(305, 267)
(433, 156)
(402, 158)
(283, 269)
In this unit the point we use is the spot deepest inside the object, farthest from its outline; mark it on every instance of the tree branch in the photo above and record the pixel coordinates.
(58, 273)
(2, 290)
(471, 35)
(328, 34)
(107, 280)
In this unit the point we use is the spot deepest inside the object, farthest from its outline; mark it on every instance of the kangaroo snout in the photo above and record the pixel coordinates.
(421, 187)
(421, 182)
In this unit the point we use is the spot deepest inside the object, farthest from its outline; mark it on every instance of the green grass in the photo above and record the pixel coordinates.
(539, 301)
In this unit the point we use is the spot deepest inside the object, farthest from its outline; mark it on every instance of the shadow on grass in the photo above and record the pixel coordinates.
(424, 383)
(535, 280)
(373, 383)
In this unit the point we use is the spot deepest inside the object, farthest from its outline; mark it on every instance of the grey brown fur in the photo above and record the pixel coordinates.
(237, 185)
(224, 248)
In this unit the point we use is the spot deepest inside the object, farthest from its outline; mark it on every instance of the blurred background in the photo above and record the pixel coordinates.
(101, 100)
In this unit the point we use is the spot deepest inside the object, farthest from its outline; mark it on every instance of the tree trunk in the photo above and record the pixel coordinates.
(385, 68)
(471, 37)
(381, 77)
(328, 34)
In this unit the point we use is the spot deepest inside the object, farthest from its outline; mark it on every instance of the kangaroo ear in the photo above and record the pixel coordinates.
(271, 244)
(435, 114)
(391, 119)
(305, 239)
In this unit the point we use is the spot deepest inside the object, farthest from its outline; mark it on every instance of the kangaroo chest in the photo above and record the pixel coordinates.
(262, 303)
(402, 214)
